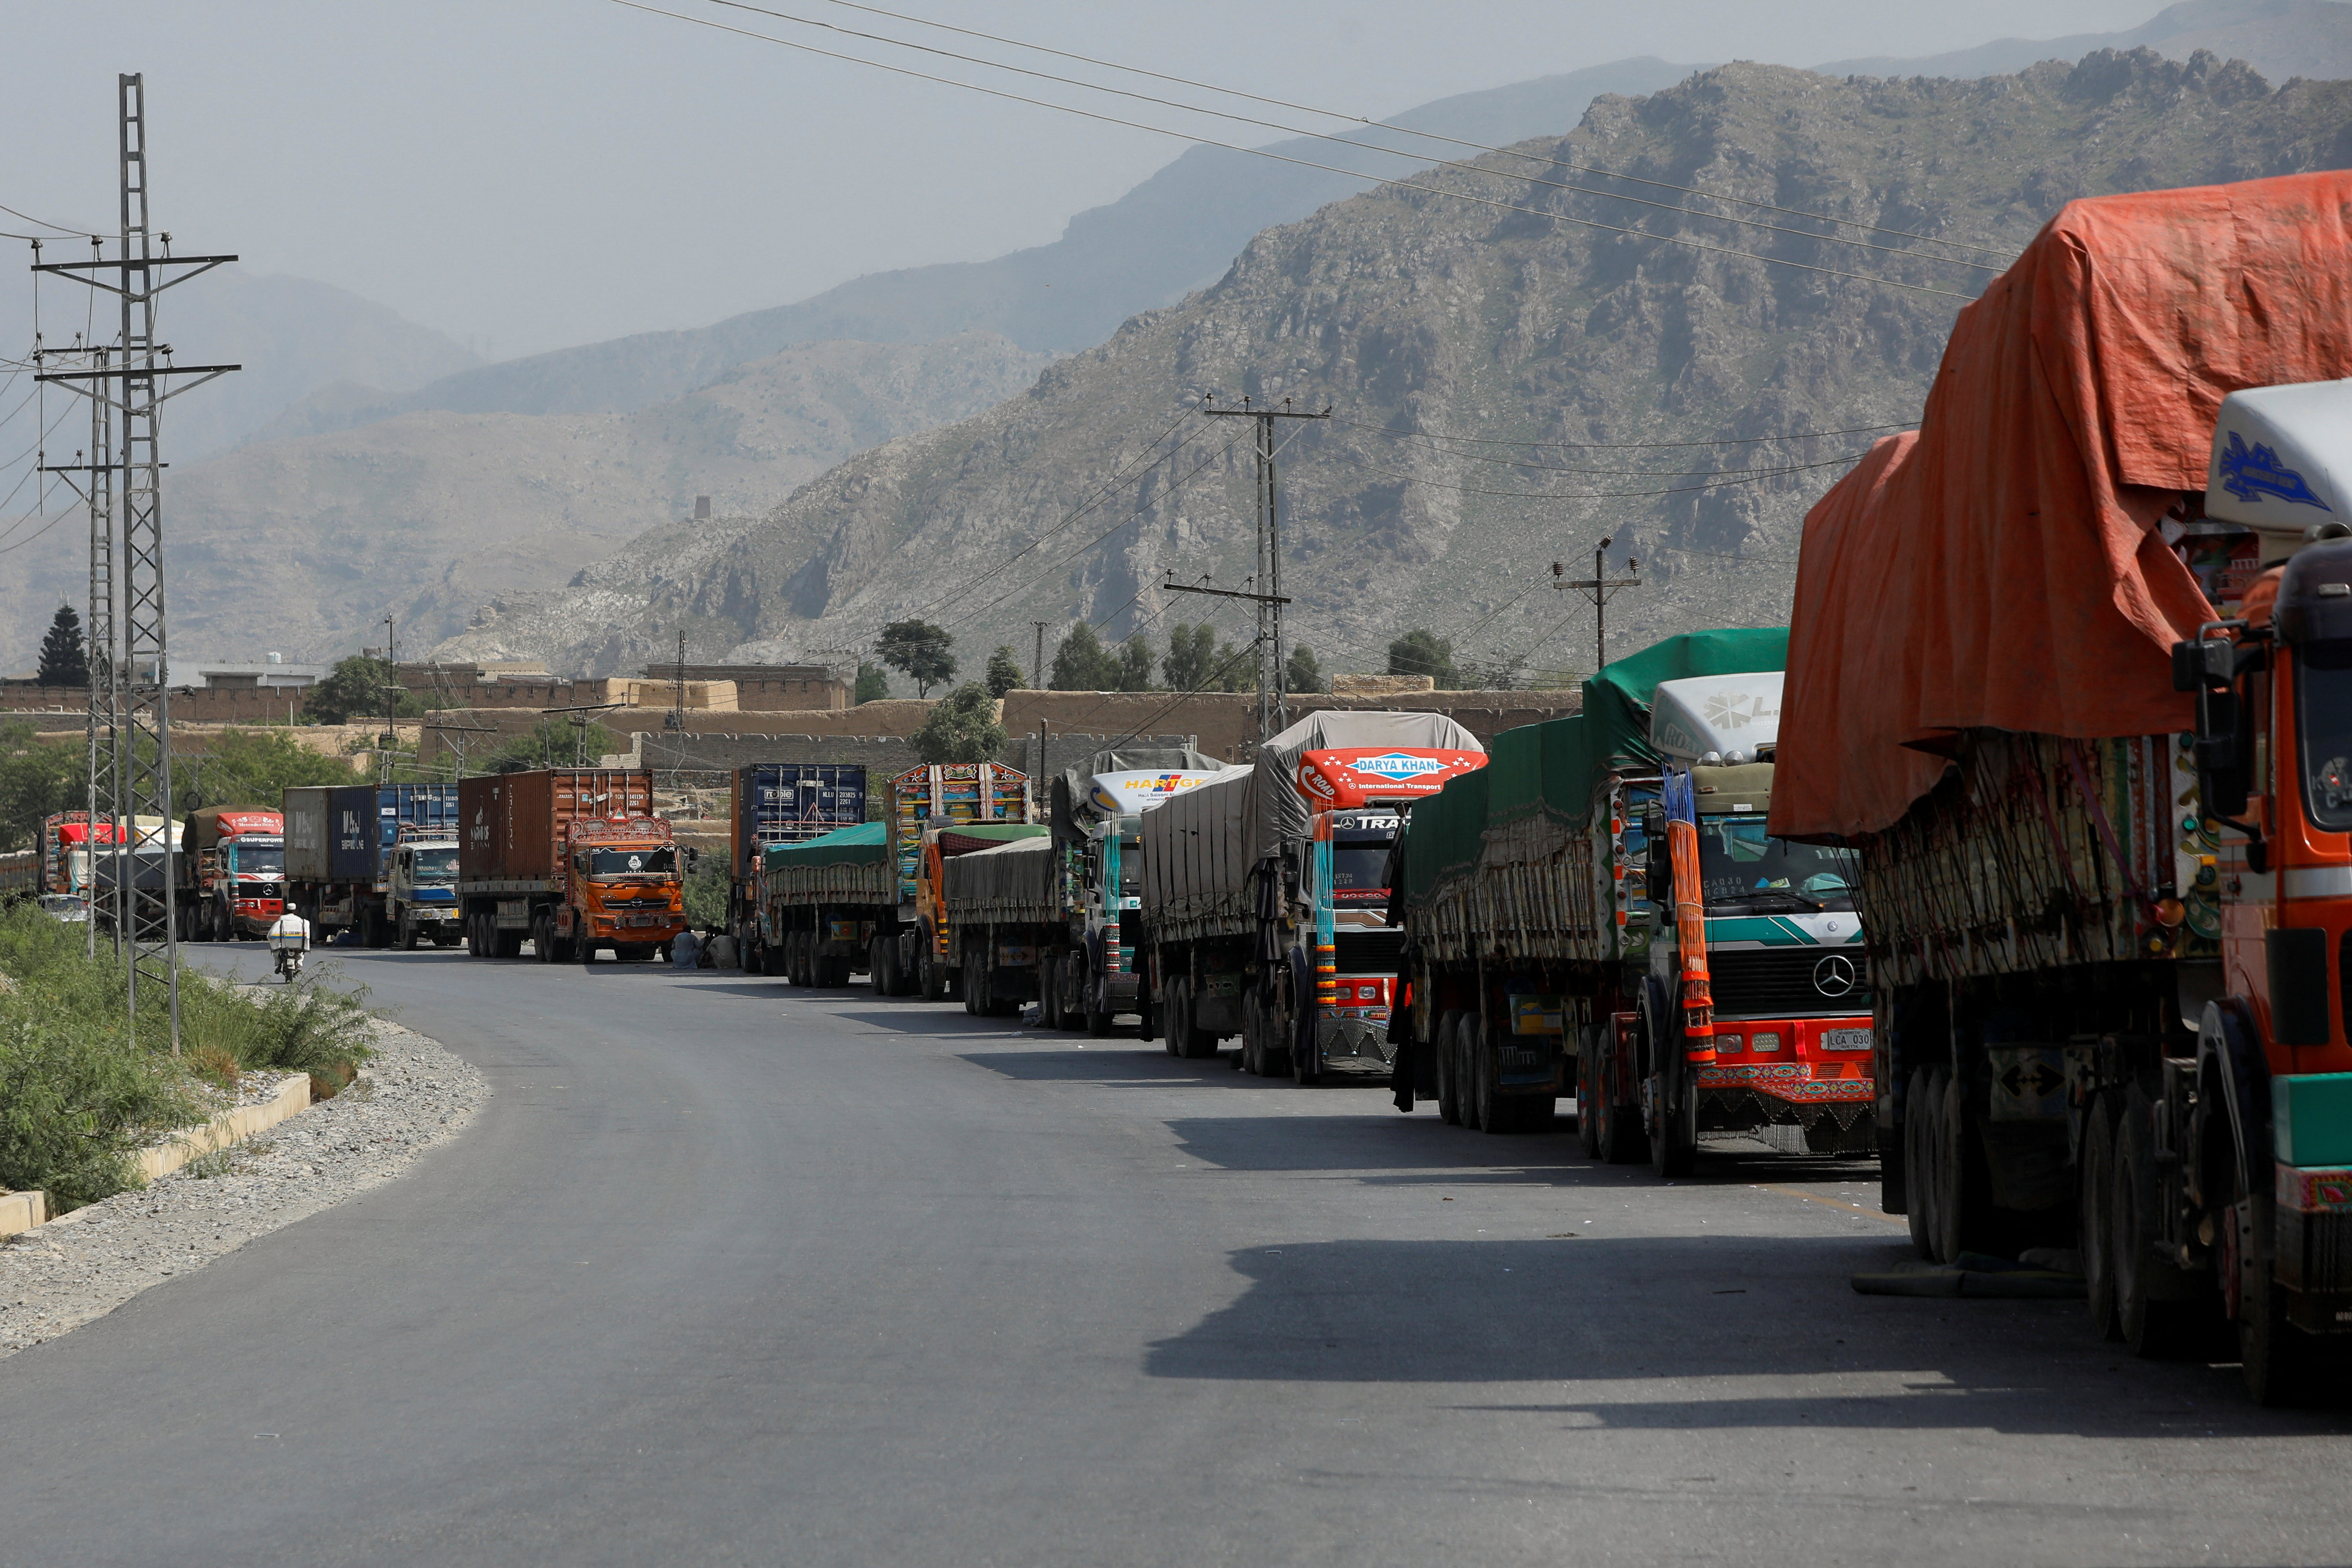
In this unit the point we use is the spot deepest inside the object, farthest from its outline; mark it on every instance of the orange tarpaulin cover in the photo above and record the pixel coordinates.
(2003, 567)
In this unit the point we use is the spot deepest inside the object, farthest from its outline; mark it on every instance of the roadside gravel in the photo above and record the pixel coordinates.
(411, 1095)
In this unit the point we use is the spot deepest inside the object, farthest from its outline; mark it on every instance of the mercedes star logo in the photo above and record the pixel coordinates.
(1835, 975)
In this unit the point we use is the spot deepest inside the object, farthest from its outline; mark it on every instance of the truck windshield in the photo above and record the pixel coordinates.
(436, 865)
(1744, 868)
(662, 862)
(1130, 867)
(260, 859)
(2322, 700)
(1359, 866)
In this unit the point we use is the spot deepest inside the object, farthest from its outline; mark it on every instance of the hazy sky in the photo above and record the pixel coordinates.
(539, 173)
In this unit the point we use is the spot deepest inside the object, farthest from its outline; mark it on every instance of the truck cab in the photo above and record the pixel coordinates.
(423, 892)
(625, 889)
(1757, 1005)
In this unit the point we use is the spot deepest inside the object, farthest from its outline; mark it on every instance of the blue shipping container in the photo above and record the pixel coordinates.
(784, 802)
(364, 820)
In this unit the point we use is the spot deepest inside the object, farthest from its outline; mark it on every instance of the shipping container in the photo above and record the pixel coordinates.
(786, 802)
(512, 824)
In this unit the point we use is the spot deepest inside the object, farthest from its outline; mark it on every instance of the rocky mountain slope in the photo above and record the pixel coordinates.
(2280, 38)
(1672, 385)
(300, 544)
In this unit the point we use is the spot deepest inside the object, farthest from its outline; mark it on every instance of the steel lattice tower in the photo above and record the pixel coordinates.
(129, 709)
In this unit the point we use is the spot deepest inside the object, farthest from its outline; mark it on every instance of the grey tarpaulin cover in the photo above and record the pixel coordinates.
(1195, 873)
(1277, 812)
(1016, 880)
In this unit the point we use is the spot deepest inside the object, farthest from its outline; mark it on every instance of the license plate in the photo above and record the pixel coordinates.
(1845, 1040)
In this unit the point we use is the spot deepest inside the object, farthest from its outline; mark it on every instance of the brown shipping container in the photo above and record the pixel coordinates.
(512, 823)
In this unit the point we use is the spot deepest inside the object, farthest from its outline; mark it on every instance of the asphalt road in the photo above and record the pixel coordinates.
(732, 1274)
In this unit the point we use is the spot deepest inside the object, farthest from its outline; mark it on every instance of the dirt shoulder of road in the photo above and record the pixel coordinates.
(412, 1095)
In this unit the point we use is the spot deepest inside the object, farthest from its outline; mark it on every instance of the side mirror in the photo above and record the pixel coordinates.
(2209, 666)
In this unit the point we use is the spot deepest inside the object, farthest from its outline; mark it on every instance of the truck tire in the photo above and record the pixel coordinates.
(1478, 1057)
(407, 935)
(2093, 1216)
(1098, 1019)
(505, 944)
(542, 939)
(1172, 1017)
(878, 967)
(2282, 1366)
(1674, 1142)
(2157, 1308)
(1588, 1114)
(1918, 1176)
(1449, 1081)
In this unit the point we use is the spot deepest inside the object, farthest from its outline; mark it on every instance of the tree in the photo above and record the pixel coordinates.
(551, 743)
(962, 728)
(250, 767)
(920, 651)
(354, 690)
(1131, 670)
(872, 684)
(64, 661)
(1005, 671)
(1080, 664)
(1421, 651)
(1196, 663)
(1303, 673)
(36, 779)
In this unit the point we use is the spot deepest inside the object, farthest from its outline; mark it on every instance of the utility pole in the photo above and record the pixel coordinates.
(1265, 603)
(1600, 588)
(1038, 668)
(1273, 711)
(139, 717)
(389, 738)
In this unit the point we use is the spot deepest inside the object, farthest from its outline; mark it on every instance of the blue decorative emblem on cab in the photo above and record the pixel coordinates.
(2252, 474)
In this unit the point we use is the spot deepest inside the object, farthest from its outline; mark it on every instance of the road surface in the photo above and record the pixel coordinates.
(732, 1274)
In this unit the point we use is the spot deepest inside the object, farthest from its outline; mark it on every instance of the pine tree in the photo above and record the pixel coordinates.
(1005, 672)
(64, 660)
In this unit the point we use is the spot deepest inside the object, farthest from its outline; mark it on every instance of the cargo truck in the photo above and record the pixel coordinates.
(2083, 642)
(1600, 912)
(232, 872)
(571, 859)
(1265, 909)
(1088, 974)
(66, 870)
(1004, 908)
(823, 902)
(376, 861)
(782, 803)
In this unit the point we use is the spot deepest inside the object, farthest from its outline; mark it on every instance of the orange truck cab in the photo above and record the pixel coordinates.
(624, 889)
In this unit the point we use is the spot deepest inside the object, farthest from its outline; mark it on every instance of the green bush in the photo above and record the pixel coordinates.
(79, 1096)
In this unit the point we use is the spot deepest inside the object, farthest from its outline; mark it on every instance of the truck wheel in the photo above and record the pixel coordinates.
(2282, 1366)
(1588, 1114)
(1049, 990)
(878, 968)
(2154, 1323)
(2095, 1218)
(1097, 1019)
(543, 940)
(1918, 1175)
(505, 944)
(1449, 1083)
(1478, 1057)
(1172, 1017)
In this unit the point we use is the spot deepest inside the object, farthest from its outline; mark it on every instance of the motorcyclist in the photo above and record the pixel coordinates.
(289, 938)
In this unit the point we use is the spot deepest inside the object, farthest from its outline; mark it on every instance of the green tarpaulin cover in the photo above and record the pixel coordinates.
(868, 844)
(1550, 770)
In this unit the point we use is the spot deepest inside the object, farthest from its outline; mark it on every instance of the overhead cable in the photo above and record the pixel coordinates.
(1303, 162)
(1620, 445)
(1350, 141)
(1389, 125)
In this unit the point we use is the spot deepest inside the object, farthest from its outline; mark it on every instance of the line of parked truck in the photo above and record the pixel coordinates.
(2022, 858)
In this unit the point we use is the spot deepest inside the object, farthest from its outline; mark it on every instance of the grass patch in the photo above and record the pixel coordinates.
(79, 1097)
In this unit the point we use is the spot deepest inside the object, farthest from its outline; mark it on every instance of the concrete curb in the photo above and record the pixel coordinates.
(228, 1127)
(22, 1211)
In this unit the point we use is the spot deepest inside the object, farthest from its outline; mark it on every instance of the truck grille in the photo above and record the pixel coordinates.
(1368, 952)
(1790, 982)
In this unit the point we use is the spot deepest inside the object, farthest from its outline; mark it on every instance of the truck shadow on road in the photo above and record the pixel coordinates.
(1636, 1311)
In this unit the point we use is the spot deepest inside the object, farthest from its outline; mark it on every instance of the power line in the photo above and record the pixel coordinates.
(1384, 125)
(1301, 162)
(1087, 504)
(1755, 478)
(1617, 445)
(1363, 146)
(1632, 473)
(76, 230)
